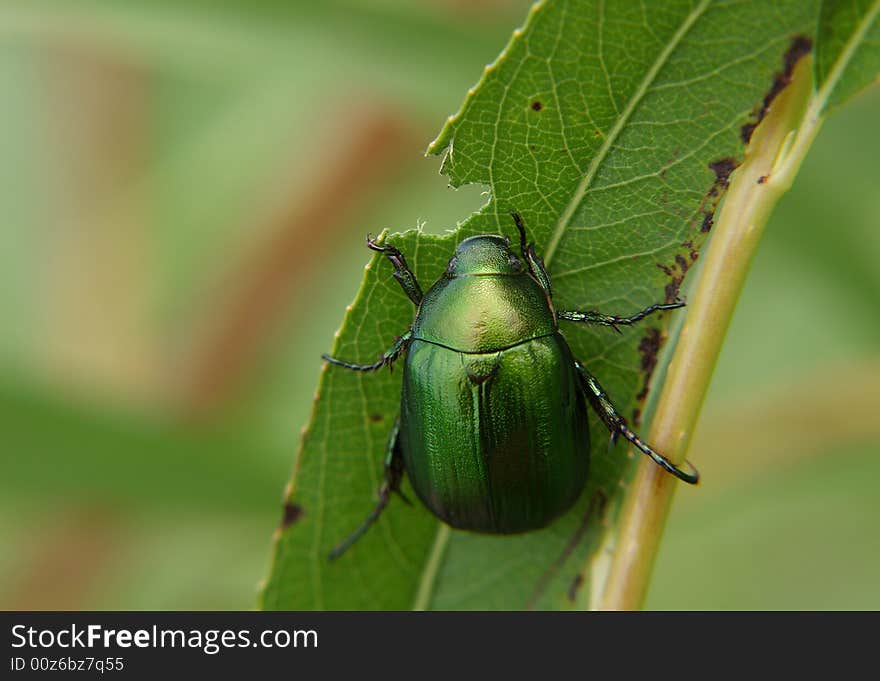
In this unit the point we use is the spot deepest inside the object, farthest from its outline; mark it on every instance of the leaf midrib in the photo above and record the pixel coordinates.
(846, 54)
(622, 120)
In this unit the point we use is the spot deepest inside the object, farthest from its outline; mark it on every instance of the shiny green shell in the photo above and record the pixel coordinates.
(493, 425)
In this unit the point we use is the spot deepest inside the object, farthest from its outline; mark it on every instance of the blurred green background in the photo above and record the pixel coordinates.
(186, 187)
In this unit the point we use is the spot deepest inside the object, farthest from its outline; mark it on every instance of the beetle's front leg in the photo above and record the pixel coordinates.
(615, 422)
(404, 275)
(594, 317)
(536, 265)
(387, 357)
(393, 475)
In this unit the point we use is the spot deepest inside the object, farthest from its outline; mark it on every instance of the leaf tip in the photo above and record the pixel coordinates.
(443, 139)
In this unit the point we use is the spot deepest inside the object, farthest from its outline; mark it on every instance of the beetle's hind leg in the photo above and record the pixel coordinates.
(404, 275)
(387, 359)
(594, 317)
(615, 422)
(393, 475)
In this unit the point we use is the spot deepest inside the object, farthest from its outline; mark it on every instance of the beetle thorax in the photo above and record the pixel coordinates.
(486, 301)
(483, 255)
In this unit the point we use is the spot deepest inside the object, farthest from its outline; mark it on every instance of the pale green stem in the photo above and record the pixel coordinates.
(772, 160)
(429, 575)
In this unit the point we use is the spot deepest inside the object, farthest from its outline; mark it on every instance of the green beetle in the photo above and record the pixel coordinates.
(493, 426)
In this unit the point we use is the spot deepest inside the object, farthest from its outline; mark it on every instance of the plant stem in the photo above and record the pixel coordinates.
(772, 159)
(429, 576)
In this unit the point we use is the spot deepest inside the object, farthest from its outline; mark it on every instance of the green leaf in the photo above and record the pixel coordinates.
(612, 128)
(847, 48)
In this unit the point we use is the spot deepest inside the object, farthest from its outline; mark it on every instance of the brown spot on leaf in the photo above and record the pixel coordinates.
(682, 263)
(673, 287)
(723, 168)
(375, 418)
(799, 48)
(649, 346)
(292, 513)
(537, 106)
(745, 132)
(763, 179)
(677, 270)
(576, 584)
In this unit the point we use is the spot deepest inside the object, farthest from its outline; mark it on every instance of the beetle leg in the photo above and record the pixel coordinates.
(387, 358)
(613, 420)
(404, 275)
(536, 265)
(393, 475)
(594, 317)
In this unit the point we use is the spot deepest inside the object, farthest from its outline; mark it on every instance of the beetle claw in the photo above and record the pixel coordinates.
(373, 246)
(613, 439)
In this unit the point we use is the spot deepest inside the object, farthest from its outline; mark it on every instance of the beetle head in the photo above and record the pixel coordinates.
(485, 254)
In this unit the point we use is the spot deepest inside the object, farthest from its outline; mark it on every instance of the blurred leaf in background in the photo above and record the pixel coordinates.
(186, 187)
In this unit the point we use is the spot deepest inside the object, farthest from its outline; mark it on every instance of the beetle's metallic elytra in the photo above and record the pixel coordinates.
(493, 427)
